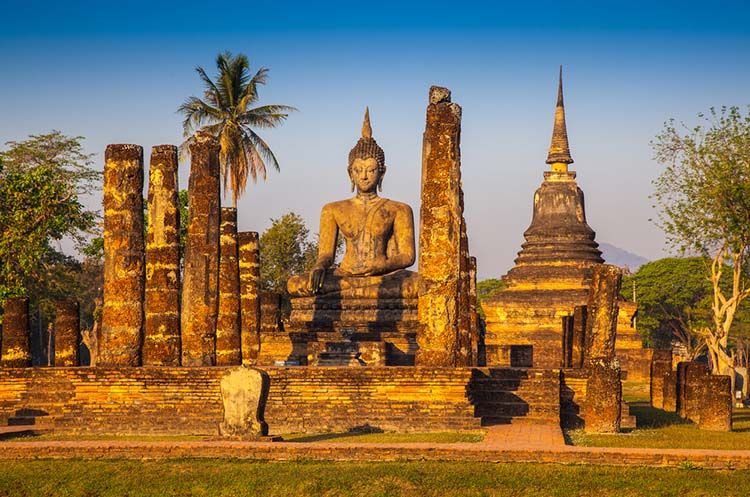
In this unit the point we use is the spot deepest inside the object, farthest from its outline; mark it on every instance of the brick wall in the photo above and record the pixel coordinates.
(186, 400)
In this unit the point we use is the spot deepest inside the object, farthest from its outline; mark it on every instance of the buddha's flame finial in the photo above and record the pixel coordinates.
(559, 151)
(366, 128)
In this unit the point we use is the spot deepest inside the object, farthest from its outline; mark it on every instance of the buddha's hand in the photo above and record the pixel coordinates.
(378, 266)
(317, 276)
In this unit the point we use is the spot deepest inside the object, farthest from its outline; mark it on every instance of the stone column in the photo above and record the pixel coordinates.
(121, 334)
(473, 312)
(67, 333)
(16, 338)
(249, 252)
(200, 295)
(669, 391)
(715, 403)
(689, 388)
(161, 340)
(270, 312)
(441, 226)
(603, 387)
(228, 324)
(601, 322)
(661, 362)
(578, 345)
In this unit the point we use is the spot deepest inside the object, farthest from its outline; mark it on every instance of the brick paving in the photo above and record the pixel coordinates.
(503, 444)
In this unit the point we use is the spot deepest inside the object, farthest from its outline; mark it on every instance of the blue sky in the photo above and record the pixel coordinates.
(116, 73)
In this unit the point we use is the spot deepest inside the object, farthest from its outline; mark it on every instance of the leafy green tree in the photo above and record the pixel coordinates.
(704, 195)
(674, 301)
(285, 250)
(41, 182)
(225, 111)
(486, 289)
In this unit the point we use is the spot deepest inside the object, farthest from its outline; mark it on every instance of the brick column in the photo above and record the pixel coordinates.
(16, 338)
(440, 339)
(249, 264)
(669, 391)
(473, 312)
(228, 324)
(161, 341)
(270, 312)
(715, 404)
(661, 363)
(121, 333)
(67, 333)
(603, 386)
(201, 262)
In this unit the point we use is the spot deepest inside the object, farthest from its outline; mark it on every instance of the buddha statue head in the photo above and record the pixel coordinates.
(367, 153)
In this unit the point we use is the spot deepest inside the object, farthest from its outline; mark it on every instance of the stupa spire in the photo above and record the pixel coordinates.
(559, 151)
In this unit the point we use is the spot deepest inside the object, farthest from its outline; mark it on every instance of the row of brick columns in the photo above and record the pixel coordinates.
(15, 349)
(147, 317)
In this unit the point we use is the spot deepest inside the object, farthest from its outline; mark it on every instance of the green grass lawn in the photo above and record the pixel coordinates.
(217, 478)
(660, 429)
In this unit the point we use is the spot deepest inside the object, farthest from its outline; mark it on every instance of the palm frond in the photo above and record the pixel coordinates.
(267, 116)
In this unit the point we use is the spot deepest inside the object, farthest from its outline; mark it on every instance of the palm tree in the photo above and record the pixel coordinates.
(226, 113)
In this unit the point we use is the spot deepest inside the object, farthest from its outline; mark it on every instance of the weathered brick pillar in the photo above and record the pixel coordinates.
(200, 293)
(578, 340)
(16, 339)
(121, 333)
(270, 312)
(603, 386)
(474, 312)
(67, 333)
(690, 376)
(440, 339)
(601, 322)
(228, 324)
(669, 391)
(161, 340)
(715, 403)
(661, 362)
(249, 253)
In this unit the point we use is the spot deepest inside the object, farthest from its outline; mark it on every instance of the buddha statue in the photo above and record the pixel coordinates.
(378, 235)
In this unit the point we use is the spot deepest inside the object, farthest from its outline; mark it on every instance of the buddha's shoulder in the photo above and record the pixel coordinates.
(396, 205)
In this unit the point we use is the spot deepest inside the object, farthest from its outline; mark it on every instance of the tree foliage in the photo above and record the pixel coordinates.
(674, 301)
(226, 112)
(41, 182)
(704, 196)
(285, 250)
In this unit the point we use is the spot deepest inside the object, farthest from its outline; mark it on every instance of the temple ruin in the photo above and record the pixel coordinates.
(409, 349)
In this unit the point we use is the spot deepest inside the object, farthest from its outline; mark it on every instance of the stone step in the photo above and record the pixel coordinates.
(496, 420)
(516, 409)
(512, 396)
(29, 420)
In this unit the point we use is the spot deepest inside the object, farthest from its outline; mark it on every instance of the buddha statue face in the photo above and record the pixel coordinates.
(365, 174)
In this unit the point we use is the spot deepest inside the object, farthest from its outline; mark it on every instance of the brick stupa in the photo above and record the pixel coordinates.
(552, 274)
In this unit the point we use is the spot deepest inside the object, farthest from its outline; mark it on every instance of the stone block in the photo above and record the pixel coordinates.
(689, 388)
(603, 397)
(715, 403)
(244, 392)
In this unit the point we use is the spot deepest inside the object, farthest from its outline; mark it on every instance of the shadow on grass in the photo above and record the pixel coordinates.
(651, 417)
(353, 432)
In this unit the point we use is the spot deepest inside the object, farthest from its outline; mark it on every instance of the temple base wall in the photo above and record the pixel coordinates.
(187, 400)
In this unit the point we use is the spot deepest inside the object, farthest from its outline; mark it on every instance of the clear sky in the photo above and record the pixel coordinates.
(116, 73)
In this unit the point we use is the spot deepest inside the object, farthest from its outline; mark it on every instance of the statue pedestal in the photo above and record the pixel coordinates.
(336, 330)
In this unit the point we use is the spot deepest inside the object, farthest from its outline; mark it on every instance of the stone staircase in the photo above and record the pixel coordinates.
(516, 395)
(27, 422)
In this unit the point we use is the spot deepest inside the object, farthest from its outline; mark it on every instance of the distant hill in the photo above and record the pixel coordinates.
(621, 257)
